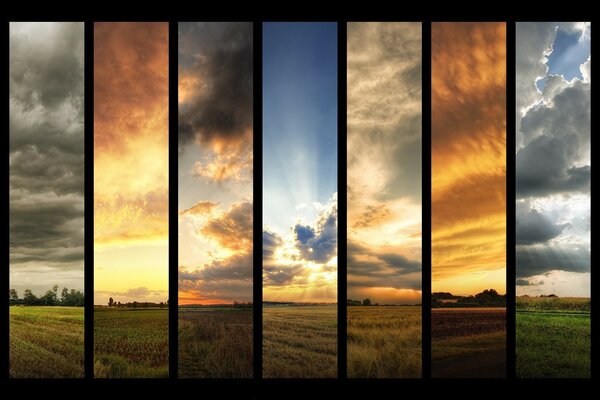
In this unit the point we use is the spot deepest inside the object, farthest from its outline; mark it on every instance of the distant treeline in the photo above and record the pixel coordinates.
(70, 298)
(367, 302)
(136, 304)
(487, 298)
(236, 304)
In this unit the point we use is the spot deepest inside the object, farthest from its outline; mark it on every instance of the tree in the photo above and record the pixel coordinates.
(64, 296)
(366, 302)
(111, 302)
(29, 299)
(13, 295)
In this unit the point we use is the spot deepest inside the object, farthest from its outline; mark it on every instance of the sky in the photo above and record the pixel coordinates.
(46, 156)
(384, 162)
(131, 198)
(215, 162)
(468, 157)
(553, 159)
(300, 162)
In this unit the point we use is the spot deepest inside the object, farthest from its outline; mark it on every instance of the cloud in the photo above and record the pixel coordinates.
(139, 294)
(218, 110)
(468, 217)
(200, 208)
(232, 229)
(533, 226)
(539, 259)
(319, 242)
(553, 171)
(46, 154)
(131, 94)
(522, 282)
(556, 137)
(225, 280)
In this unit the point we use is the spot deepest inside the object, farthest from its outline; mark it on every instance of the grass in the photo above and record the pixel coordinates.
(46, 342)
(300, 342)
(554, 304)
(131, 343)
(553, 338)
(215, 343)
(384, 342)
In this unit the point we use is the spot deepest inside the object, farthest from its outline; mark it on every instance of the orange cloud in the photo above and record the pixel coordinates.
(130, 132)
(468, 156)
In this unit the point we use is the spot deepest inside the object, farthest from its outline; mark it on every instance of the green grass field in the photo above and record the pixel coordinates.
(131, 343)
(215, 343)
(553, 337)
(46, 342)
(300, 342)
(384, 342)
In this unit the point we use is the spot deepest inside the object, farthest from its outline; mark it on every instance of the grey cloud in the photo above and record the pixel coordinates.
(221, 54)
(536, 260)
(280, 276)
(556, 138)
(535, 227)
(46, 152)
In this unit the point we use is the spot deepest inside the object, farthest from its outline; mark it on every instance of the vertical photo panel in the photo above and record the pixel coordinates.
(468, 200)
(131, 200)
(46, 215)
(384, 199)
(300, 200)
(553, 209)
(215, 92)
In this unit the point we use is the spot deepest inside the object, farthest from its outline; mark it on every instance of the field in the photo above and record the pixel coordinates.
(553, 337)
(46, 342)
(131, 343)
(300, 342)
(384, 342)
(468, 342)
(215, 343)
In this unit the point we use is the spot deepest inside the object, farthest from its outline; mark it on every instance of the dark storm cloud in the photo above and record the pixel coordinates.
(46, 152)
(535, 227)
(318, 243)
(220, 56)
(556, 137)
(536, 260)
(400, 263)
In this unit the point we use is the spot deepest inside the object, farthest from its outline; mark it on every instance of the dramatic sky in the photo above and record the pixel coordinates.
(46, 156)
(468, 151)
(384, 162)
(300, 162)
(215, 162)
(131, 168)
(553, 158)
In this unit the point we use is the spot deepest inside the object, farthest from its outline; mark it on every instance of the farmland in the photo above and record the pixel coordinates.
(215, 343)
(468, 342)
(300, 341)
(131, 343)
(553, 337)
(46, 342)
(384, 342)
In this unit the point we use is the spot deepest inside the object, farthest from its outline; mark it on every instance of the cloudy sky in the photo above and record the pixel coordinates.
(46, 156)
(131, 110)
(553, 158)
(384, 162)
(300, 162)
(468, 150)
(215, 162)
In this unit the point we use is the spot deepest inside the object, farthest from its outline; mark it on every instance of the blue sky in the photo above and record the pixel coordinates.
(569, 51)
(299, 120)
